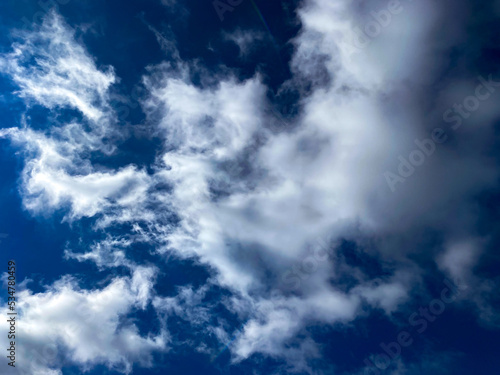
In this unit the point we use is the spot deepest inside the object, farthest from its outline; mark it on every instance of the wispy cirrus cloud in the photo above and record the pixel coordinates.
(53, 70)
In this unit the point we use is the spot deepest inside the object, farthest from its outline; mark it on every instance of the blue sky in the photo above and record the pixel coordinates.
(251, 187)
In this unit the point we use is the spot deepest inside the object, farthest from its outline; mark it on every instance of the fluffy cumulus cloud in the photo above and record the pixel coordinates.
(67, 325)
(58, 175)
(266, 211)
(327, 175)
(369, 110)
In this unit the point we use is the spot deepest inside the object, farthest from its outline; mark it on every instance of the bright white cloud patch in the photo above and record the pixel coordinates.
(57, 174)
(66, 325)
(53, 70)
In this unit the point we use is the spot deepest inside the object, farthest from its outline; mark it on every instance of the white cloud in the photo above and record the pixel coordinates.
(246, 41)
(187, 304)
(57, 174)
(68, 325)
(325, 177)
(55, 71)
(460, 257)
